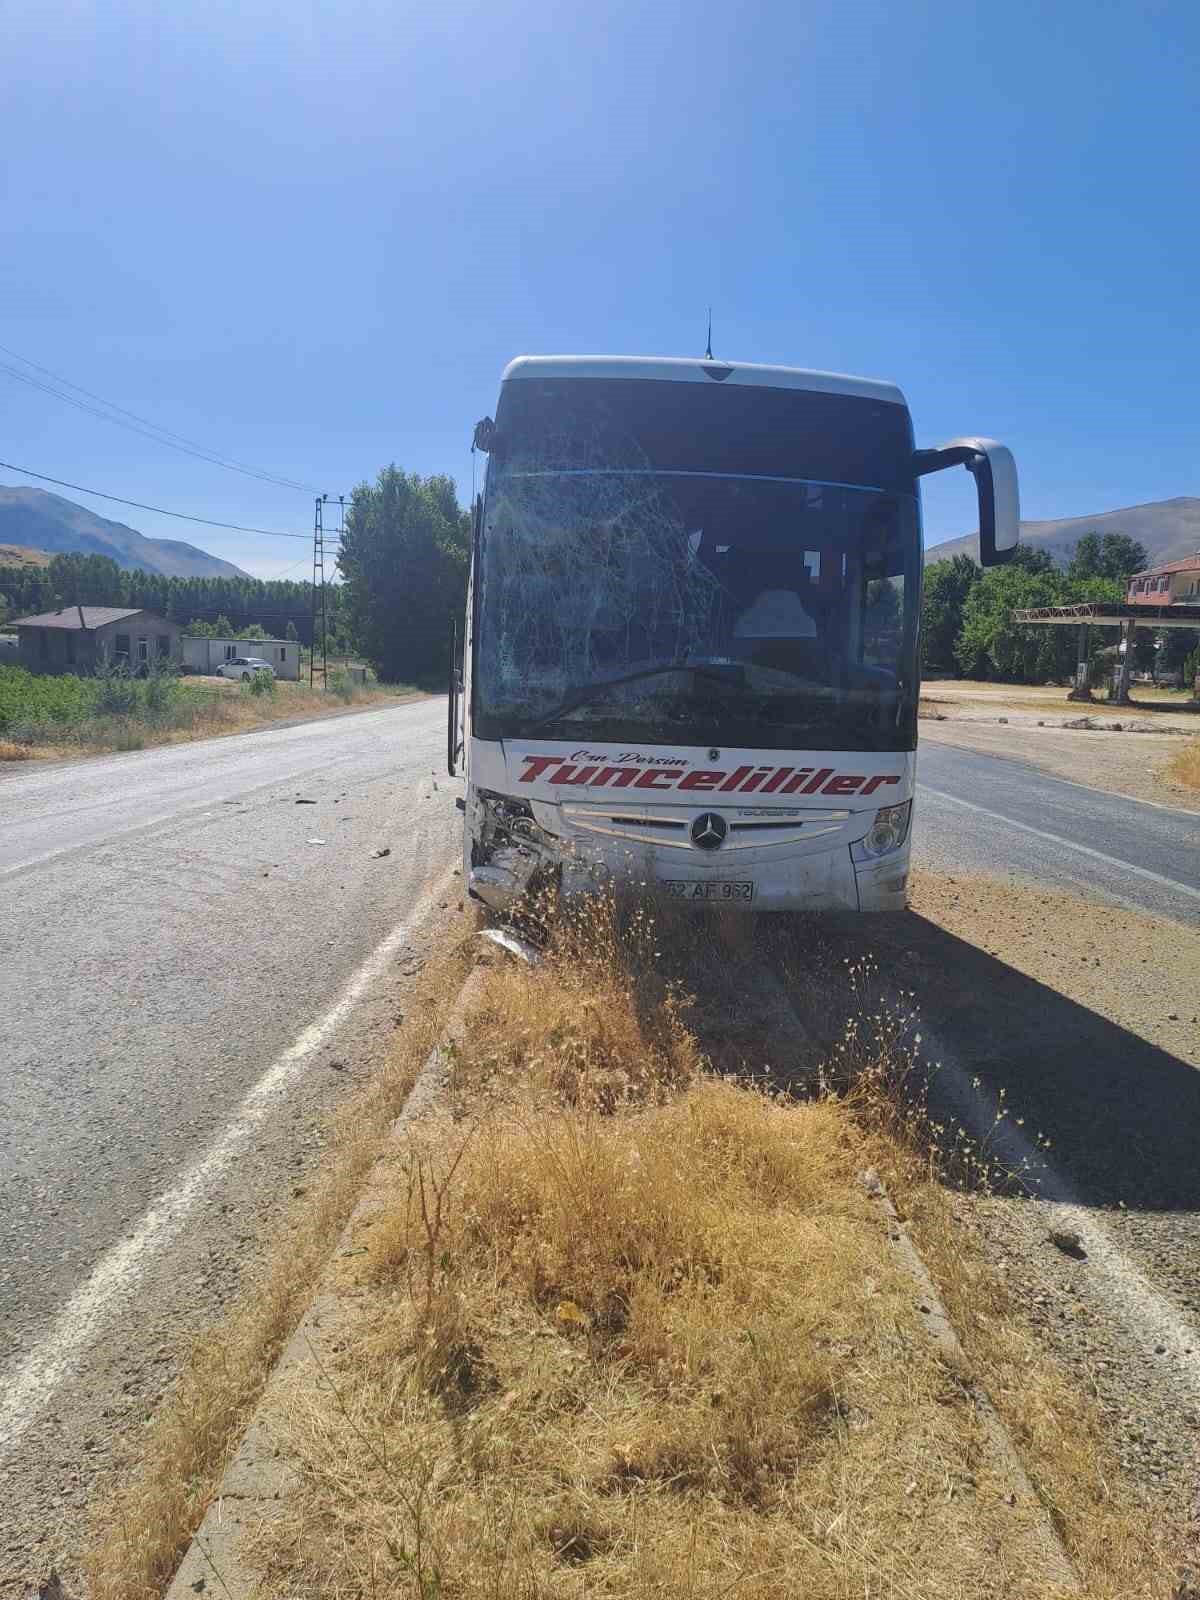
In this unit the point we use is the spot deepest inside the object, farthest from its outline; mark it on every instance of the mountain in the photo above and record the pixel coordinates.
(60, 527)
(20, 555)
(1169, 529)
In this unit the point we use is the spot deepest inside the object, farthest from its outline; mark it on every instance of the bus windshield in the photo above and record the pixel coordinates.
(684, 605)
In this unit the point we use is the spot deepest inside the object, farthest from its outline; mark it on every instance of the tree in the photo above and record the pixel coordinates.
(1178, 645)
(291, 630)
(76, 579)
(1115, 555)
(1031, 560)
(990, 646)
(403, 561)
(947, 584)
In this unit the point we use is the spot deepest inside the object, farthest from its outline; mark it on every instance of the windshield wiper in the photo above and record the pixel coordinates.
(596, 691)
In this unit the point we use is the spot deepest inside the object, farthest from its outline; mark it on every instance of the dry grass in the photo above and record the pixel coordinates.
(618, 1325)
(1117, 1542)
(207, 712)
(23, 555)
(633, 1329)
(229, 711)
(1185, 767)
(143, 1525)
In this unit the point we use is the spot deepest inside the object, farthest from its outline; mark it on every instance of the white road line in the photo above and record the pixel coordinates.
(82, 1320)
(1071, 783)
(1112, 794)
(1149, 1315)
(1069, 844)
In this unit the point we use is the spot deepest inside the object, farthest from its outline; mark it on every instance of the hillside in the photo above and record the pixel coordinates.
(50, 524)
(1169, 529)
(20, 555)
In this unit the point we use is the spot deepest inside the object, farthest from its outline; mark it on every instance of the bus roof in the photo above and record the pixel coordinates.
(678, 369)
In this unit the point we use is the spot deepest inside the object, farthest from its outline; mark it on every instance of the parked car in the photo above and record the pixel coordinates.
(244, 667)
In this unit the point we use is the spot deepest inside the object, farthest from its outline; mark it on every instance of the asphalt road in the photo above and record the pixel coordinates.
(184, 950)
(979, 813)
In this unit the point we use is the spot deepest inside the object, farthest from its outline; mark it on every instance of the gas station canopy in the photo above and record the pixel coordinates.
(1109, 614)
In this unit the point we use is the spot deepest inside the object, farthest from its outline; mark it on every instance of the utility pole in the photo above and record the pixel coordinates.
(319, 592)
(318, 578)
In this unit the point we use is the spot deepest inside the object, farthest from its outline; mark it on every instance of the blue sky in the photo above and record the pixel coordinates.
(311, 235)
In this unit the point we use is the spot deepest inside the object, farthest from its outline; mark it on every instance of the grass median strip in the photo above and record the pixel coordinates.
(622, 1326)
(615, 1323)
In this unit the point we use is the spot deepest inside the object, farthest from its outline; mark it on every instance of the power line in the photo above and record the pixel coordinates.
(138, 424)
(146, 433)
(140, 505)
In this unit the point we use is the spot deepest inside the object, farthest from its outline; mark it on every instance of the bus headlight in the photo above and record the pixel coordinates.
(888, 833)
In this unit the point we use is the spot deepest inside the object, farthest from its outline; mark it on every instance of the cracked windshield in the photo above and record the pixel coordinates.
(695, 607)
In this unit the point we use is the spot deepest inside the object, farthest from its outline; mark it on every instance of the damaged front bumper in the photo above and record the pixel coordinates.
(515, 852)
(509, 855)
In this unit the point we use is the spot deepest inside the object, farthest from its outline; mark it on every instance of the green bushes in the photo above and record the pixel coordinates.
(116, 693)
(261, 685)
(343, 685)
(49, 710)
(26, 697)
(115, 711)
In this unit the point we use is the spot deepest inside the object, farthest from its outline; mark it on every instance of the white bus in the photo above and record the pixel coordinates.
(690, 658)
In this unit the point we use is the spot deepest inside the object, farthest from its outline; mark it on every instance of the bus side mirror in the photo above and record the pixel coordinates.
(995, 473)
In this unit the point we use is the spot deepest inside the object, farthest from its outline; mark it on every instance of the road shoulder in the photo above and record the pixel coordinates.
(1130, 764)
(1070, 1033)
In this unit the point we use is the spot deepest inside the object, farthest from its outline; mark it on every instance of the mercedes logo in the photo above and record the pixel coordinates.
(709, 830)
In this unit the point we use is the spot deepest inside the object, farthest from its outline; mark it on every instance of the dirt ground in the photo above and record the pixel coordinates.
(1087, 1028)
(1126, 751)
(973, 701)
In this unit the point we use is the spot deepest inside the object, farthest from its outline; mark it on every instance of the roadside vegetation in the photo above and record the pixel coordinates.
(965, 625)
(114, 711)
(1185, 768)
(621, 1323)
(401, 571)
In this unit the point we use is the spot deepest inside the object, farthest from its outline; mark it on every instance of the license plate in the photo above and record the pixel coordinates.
(705, 889)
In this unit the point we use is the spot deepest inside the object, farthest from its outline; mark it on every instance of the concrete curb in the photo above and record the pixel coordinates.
(1034, 1528)
(1040, 1529)
(259, 1477)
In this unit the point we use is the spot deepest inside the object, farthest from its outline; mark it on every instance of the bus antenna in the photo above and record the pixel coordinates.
(708, 355)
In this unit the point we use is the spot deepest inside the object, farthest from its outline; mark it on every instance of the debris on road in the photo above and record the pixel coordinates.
(316, 841)
(378, 855)
(303, 802)
(521, 948)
